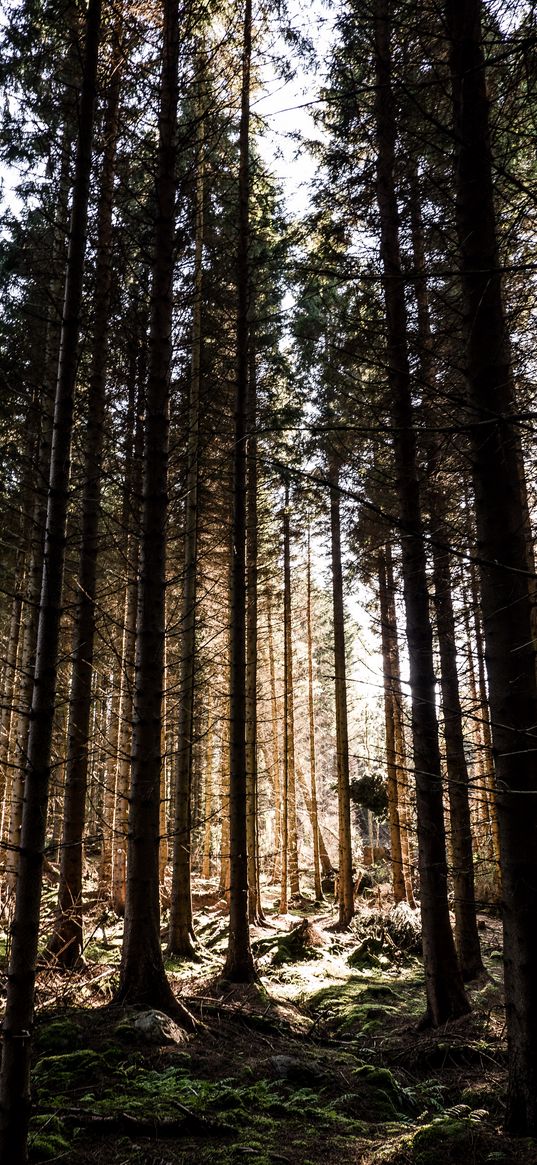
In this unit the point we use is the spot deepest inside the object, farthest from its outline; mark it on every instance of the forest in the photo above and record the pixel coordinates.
(268, 621)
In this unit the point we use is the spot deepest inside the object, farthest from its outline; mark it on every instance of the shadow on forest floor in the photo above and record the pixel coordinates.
(319, 1062)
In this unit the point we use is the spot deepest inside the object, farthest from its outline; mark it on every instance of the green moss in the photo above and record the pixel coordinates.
(379, 1095)
(445, 1139)
(47, 1139)
(58, 1035)
(63, 1073)
(482, 1094)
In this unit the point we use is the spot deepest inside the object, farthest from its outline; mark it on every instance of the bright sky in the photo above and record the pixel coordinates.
(286, 106)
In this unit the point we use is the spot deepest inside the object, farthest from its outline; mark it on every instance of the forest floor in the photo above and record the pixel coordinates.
(321, 1061)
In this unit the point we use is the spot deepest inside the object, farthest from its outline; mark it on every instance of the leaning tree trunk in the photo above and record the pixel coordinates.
(67, 938)
(505, 583)
(239, 965)
(143, 979)
(18, 1022)
(446, 997)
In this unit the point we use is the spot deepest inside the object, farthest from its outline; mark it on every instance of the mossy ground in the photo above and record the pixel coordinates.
(320, 1062)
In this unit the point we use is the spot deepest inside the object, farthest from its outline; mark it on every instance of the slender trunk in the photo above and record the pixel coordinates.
(105, 863)
(399, 887)
(254, 903)
(345, 879)
(239, 962)
(504, 570)
(181, 931)
(67, 939)
(25, 539)
(326, 865)
(18, 1022)
(467, 937)
(276, 764)
(7, 719)
(164, 782)
(143, 979)
(289, 831)
(311, 717)
(489, 763)
(209, 796)
(132, 489)
(446, 997)
(30, 609)
(224, 880)
(403, 795)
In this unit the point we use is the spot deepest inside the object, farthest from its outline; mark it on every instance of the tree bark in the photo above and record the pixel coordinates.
(276, 766)
(255, 911)
(489, 764)
(181, 932)
(143, 979)
(446, 998)
(467, 937)
(502, 551)
(290, 875)
(67, 939)
(239, 965)
(466, 934)
(30, 609)
(346, 886)
(18, 1022)
(132, 492)
(311, 719)
(399, 886)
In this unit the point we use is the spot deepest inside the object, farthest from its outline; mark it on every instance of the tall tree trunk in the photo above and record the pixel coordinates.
(398, 874)
(7, 719)
(143, 979)
(345, 880)
(181, 932)
(289, 825)
(239, 965)
(30, 609)
(18, 1021)
(224, 879)
(467, 937)
(401, 762)
(446, 997)
(105, 862)
(67, 938)
(255, 911)
(324, 860)
(466, 934)
(208, 801)
(501, 524)
(488, 750)
(132, 490)
(9, 686)
(311, 719)
(403, 792)
(276, 766)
